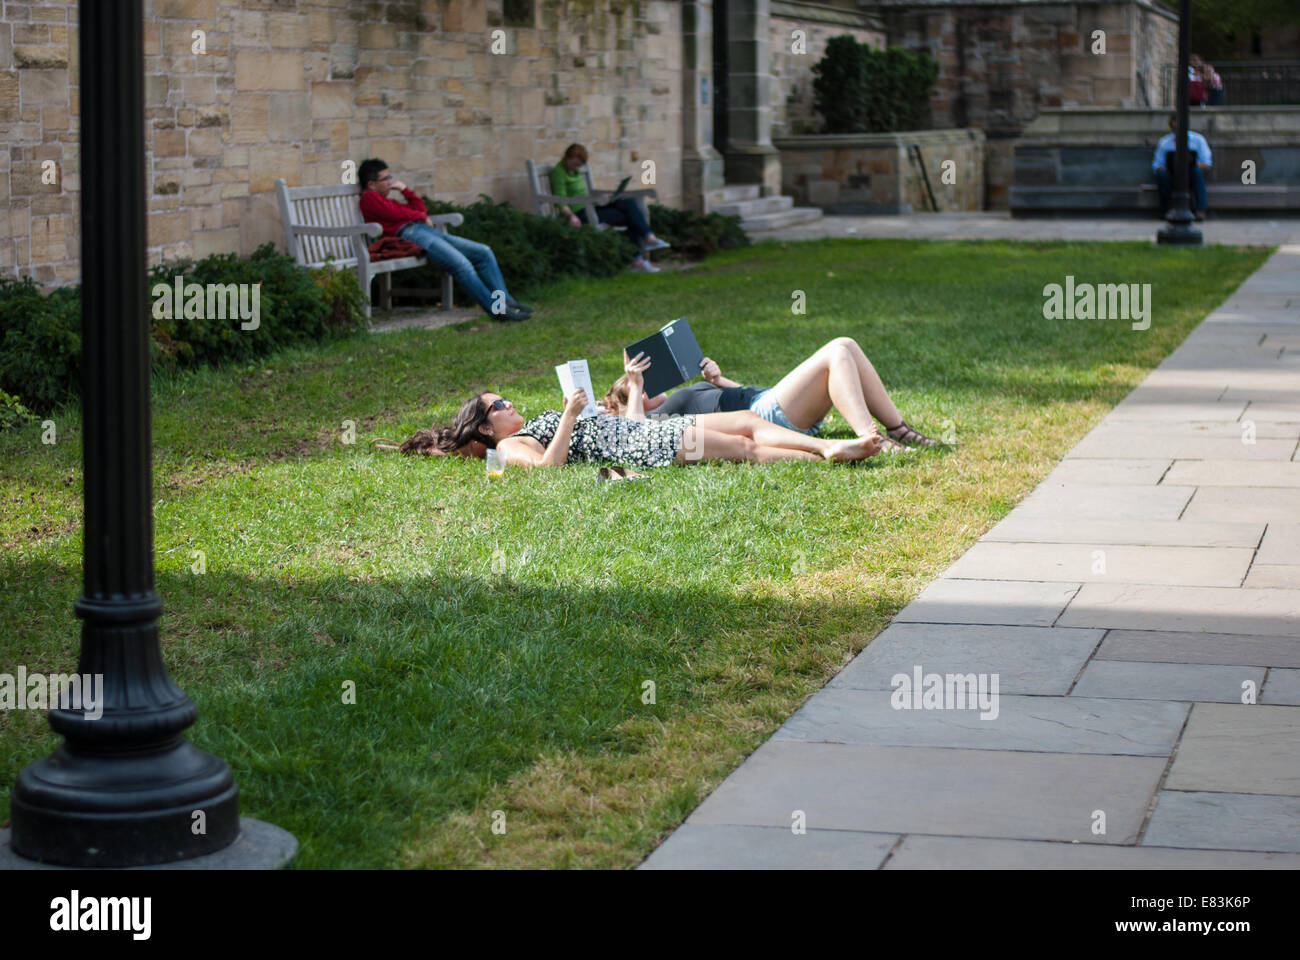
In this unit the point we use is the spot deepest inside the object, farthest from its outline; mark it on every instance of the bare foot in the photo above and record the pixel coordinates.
(859, 448)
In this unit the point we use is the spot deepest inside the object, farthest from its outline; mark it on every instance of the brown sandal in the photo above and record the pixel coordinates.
(904, 433)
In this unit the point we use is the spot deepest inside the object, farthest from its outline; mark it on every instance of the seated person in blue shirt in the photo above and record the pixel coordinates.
(1196, 179)
(839, 374)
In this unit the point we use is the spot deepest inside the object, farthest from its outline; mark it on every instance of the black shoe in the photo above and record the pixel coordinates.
(515, 313)
(520, 306)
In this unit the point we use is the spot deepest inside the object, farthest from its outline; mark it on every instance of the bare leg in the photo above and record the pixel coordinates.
(829, 376)
(873, 388)
(701, 443)
(746, 423)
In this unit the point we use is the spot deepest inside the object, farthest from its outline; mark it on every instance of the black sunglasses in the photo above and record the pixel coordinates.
(498, 404)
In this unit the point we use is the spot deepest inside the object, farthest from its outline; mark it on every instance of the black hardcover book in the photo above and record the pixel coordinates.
(674, 355)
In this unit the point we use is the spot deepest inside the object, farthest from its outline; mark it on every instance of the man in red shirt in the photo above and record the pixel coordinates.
(472, 264)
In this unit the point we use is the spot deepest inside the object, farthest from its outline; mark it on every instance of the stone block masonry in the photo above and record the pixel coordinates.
(296, 88)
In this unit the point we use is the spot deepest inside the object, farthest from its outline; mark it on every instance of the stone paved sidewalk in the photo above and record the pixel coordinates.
(1124, 605)
(998, 225)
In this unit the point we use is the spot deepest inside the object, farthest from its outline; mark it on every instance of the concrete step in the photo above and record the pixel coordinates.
(732, 193)
(785, 218)
(755, 207)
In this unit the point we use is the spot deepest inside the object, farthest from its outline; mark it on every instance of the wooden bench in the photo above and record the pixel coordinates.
(324, 225)
(545, 203)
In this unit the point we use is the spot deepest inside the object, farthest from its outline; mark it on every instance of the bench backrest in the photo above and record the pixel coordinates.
(330, 206)
(539, 182)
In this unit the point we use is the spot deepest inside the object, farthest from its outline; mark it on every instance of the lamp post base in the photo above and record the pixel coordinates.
(1181, 229)
(259, 846)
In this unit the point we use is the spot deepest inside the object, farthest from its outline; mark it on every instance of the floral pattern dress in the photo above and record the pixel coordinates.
(641, 443)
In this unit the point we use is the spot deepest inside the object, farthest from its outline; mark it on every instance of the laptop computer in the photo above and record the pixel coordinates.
(618, 191)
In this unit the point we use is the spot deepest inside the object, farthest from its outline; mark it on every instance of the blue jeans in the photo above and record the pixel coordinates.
(472, 264)
(1195, 182)
(624, 212)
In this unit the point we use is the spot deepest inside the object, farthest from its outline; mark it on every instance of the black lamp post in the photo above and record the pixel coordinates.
(1181, 229)
(126, 788)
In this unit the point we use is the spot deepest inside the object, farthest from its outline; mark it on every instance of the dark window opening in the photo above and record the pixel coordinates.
(519, 13)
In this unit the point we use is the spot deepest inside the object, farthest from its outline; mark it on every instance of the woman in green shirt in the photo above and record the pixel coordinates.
(566, 181)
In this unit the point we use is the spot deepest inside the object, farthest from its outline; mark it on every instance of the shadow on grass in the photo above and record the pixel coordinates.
(461, 682)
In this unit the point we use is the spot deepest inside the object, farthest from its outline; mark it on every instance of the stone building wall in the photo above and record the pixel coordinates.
(1001, 63)
(792, 77)
(293, 88)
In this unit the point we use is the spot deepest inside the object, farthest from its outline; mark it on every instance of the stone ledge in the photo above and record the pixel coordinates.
(902, 138)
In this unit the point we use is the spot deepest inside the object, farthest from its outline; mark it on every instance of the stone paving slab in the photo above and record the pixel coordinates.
(1281, 412)
(1203, 429)
(1064, 501)
(1134, 680)
(694, 847)
(1155, 533)
(991, 793)
(1239, 748)
(1245, 505)
(1032, 660)
(1145, 447)
(1234, 473)
(957, 853)
(1277, 576)
(1275, 394)
(1108, 472)
(1104, 563)
(1226, 648)
(1281, 544)
(1282, 687)
(1038, 724)
(1226, 821)
(1013, 602)
(1179, 412)
(1184, 609)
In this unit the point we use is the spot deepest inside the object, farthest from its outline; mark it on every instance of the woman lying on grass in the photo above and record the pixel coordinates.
(557, 437)
(839, 374)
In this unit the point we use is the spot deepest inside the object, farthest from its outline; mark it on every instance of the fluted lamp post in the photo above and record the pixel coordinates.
(1181, 229)
(126, 788)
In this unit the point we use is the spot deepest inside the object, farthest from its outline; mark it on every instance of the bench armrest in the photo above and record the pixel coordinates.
(443, 220)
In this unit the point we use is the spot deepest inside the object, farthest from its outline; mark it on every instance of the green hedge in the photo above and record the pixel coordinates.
(533, 250)
(694, 235)
(530, 250)
(40, 343)
(860, 90)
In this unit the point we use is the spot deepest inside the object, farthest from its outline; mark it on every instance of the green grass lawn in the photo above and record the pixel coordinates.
(499, 633)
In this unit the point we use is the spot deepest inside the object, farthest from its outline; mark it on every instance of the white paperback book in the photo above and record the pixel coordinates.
(573, 375)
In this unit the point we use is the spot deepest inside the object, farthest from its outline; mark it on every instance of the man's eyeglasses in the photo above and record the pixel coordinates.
(387, 176)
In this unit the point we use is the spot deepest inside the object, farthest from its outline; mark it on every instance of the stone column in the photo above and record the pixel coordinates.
(701, 162)
(750, 156)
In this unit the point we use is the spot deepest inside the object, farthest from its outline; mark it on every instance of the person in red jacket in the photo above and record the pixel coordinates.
(472, 264)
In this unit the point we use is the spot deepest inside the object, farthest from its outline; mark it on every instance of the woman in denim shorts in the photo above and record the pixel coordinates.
(838, 374)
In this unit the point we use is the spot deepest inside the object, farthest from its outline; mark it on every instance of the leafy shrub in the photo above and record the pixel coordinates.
(295, 306)
(530, 250)
(860, 90)
(12, 412)
(40, 341)
(695, 235)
